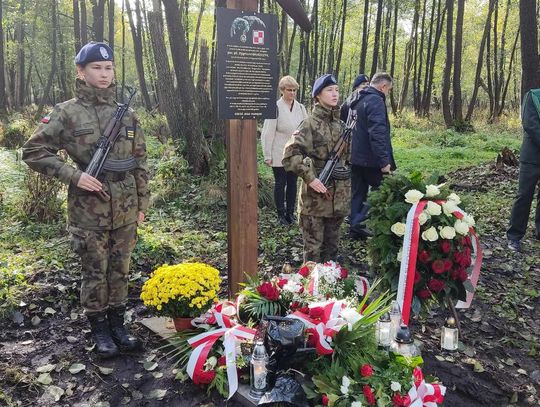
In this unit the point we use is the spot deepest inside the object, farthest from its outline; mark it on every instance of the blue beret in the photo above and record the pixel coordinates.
(322, 82)
(94, 52)
(360, 79)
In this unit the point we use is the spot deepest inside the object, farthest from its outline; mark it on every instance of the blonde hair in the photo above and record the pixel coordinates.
(287, 81)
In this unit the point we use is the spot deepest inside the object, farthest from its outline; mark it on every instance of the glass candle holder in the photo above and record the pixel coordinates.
(449, 335)
(258, 371)
(403, 343)
(383, 330)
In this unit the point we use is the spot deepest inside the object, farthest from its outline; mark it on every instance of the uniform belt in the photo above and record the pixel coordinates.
(113, 176)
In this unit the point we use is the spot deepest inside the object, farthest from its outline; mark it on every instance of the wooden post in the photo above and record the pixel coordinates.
(241, 139)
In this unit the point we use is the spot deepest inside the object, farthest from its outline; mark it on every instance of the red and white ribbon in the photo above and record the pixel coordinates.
(424, 394)
(202, 344)
(407, 270)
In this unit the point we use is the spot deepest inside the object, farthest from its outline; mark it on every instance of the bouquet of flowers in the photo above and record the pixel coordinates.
(423, 242)
(291, 292)
(181, 290)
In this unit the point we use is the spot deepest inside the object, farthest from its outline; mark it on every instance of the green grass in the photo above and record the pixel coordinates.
(445, 151)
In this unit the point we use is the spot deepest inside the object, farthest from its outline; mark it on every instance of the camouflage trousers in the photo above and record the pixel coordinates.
(105, 257)
(321, 237)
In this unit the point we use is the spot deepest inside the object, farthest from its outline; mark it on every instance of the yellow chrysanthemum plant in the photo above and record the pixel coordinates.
(181, 290)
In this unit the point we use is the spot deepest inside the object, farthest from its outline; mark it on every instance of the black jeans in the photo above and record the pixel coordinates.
(529, 179)
(361, 179)
(284, 189)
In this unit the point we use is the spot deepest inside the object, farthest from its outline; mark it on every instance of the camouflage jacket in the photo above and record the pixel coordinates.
(306, 153)
(75, 126)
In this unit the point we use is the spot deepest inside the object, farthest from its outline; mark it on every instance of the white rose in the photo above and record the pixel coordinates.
(449, 207)
(345, 383)
(423, 217)
(461, 227)
(448, 232)
(211, 363)
(356, 404)
(455, 198)
(432, 190)
(292, 287)
(430, 234)
(395, 386)
(351, 315)
(413, 196)
(469, 220)
(400, 255)
(398, 228)
(433, 209)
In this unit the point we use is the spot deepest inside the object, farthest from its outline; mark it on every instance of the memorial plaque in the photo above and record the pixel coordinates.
(247, 64)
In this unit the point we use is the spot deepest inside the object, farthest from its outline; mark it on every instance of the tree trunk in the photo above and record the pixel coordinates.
(386, 38)
(138, 50)
(21, 71)
(55, 28)
(169, 102)
(438, 34)
(110, 9)
(393, 103)
(192, 58)
(3, 99)
(530, 65)
(196, 151)
(62, 72)
(84, 23)
(341, 38)
(479, 63)
(203, 94)
(507, 82)
(458, 50)
(365, 31)
(76, 26)
(378, 25)
(98, 13)
(447, 112)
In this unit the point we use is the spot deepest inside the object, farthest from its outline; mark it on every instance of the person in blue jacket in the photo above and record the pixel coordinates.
(371, 155)
(529, 173)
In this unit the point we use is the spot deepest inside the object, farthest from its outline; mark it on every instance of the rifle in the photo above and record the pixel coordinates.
(337, 152)
(105, 143)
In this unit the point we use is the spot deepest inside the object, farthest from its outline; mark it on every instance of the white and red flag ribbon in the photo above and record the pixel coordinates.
(424, 394)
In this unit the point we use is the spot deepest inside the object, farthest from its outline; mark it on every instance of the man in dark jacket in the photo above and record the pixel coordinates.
(372, 155)
(360, 82)
(529, 172)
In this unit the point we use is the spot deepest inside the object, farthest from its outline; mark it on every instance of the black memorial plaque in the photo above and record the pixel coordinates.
(247, 64)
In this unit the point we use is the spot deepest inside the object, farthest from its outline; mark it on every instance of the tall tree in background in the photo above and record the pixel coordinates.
(378, 24)
(365, 33)
(136, 34)
(196, 151)
(76, 26)
(110, 9)
(458, 51)
(84, 22)
(169, 102)
(98, 14)
(3, 100)
(447, 112)
(20, 68)
(530, 65)
(54, 42)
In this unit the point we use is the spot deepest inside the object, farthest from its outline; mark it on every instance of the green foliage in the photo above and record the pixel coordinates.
(15, 134)
(257, 306)
(152, 250)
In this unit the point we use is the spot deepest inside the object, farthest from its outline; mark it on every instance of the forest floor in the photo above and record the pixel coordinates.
(46, 356)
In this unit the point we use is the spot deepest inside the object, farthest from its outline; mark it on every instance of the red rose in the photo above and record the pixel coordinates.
(423, 293)
(301, 290)
(304, 271)
(304, 310)
(438, 266)
(205, 377)
(463, 275)
(398, 400)
(268, 290)
(467, 241)
(344, 273)
(417, 277)
(282, 282)
(366, 370)
(324, 400)
(447, 264)
(294, 305)
(418, 376)
(222, 361)
(424, 256)
(445, 246)
(455, 274)
(368, 394)
(457, 257)
(436, 285)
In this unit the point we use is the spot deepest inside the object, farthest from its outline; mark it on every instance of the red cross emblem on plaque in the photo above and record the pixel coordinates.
(258, 37)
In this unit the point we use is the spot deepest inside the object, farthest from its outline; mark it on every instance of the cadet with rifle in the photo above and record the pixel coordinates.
(107, 189)
(320, 142)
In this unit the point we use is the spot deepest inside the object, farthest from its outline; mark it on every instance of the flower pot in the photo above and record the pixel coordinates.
(182, 323)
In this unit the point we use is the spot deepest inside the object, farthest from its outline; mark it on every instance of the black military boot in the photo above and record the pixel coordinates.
(282, 219)
(119, 333)
(101, 334)
(290, 216)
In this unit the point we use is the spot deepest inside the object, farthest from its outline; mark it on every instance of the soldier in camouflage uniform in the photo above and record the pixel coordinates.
(322, 209)
(103, 232)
